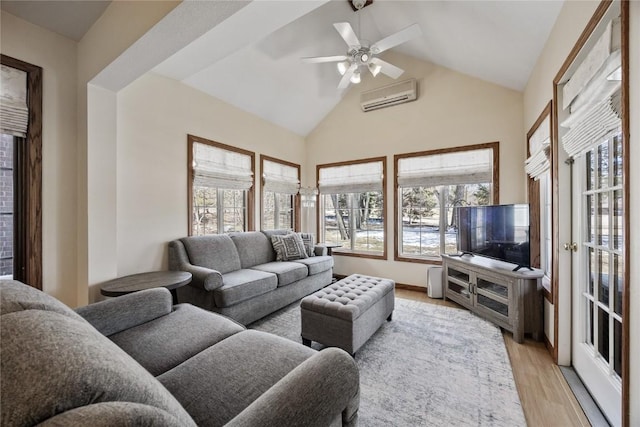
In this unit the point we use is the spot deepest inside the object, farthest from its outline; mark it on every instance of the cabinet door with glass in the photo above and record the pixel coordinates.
(493, 297)
(458, 285)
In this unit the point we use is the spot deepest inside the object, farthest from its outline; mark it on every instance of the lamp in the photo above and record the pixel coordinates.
(355, 78)
(342, 67)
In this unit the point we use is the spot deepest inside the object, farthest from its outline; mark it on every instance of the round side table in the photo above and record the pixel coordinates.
(171, 280)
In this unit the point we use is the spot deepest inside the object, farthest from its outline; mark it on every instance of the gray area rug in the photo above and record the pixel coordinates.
(430, 366)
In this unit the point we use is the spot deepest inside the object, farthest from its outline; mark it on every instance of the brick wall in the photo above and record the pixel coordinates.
(6, 205)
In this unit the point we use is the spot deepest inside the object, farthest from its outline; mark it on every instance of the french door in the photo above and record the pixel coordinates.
(598, 272)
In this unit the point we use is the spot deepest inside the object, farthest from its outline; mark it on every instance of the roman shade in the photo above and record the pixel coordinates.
(14, 113)
(592, 95)
(353, 178)
(280, 178)
(539, 147)
(453, 168)
(220, 168)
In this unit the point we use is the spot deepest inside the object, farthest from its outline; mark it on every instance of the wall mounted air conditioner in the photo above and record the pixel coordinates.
(394, 94)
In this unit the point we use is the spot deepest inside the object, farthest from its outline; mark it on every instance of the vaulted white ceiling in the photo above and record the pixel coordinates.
(250, 55)
(497, 41)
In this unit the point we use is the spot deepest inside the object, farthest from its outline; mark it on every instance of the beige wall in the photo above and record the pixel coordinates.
(539, 90)
(634, 206)
(571, 21)
(57, 57)
(452, 109)
(122, 23)
(155, 114)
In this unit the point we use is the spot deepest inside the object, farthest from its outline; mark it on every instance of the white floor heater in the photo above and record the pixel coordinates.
(434, 282)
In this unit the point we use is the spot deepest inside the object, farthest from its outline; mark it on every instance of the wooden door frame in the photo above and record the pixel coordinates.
(29, 241)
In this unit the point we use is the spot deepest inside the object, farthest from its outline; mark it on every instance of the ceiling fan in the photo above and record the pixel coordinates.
(360, 56)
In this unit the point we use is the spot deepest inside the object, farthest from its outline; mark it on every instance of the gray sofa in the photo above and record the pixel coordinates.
(138, 360)
(237, 274)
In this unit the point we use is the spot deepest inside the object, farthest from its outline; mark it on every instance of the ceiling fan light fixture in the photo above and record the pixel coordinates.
(355, 78)
(342, 67)
(374, 68)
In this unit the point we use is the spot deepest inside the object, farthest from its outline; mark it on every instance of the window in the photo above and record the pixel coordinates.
(21, 128)
(429, 186)
(221, 187)
(280, 200)
(352, 206)
(538, 167)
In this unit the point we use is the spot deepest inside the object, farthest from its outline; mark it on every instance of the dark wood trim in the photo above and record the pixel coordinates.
(547, 344)
(250, 223)
(626, 295)
(31, 199)
(344, 252)
(411, 287)
(495, 188)
(533, 193)
(590, 27)
(296, 197)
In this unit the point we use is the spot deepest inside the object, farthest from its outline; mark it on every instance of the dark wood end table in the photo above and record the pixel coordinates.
(330, 247)
(171, 280)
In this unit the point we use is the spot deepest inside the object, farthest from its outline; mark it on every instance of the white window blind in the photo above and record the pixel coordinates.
(463, 167)
(280, 178)
(599, 121)
(354, 178)
(593, 95)
(14, 114)
(539, 147)
(217, 167)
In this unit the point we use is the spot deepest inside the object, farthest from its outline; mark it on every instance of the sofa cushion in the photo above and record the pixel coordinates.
(309, 245)
(287, 272)
(215, 251)
(253, 248)
(16, 296)
(67, 364)
(288, 247)
(242, 285)
(317, 264)
(188, 329)
(109, 414)
(230, 384)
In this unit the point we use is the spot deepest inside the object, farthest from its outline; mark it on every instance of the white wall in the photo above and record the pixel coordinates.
(155, 114)
(452, 110)
(57, 57)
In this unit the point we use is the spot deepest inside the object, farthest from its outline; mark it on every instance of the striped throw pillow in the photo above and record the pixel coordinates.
(288, 247)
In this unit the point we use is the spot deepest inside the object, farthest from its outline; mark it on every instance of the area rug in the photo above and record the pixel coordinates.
(430, 366)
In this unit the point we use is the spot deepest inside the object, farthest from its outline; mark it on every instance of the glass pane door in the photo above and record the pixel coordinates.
(598, 282)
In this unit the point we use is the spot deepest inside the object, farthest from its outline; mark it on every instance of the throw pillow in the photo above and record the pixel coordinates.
(288, 247)
(307, 239)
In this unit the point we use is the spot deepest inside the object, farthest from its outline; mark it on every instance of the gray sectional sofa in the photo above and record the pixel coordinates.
(237, 274)
(137, 360)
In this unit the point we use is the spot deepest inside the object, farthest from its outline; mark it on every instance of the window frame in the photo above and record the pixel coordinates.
(495, 190)
(319, 211)
(296, 197)
(191, 139)
(535, 204)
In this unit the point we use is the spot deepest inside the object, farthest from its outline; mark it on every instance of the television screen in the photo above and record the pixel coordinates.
(497, 231)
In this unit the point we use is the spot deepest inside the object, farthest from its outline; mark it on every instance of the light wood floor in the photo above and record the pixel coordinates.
(544, 393)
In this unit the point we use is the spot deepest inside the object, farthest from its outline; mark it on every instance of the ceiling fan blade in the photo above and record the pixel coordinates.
(394, 40)
(388, 69)
(344, 81)
(319, 59)
(346, 32)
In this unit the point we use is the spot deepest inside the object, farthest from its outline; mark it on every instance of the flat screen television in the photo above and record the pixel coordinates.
(496, 231)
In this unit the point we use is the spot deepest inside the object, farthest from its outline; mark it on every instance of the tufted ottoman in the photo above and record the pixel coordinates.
(345, 314)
